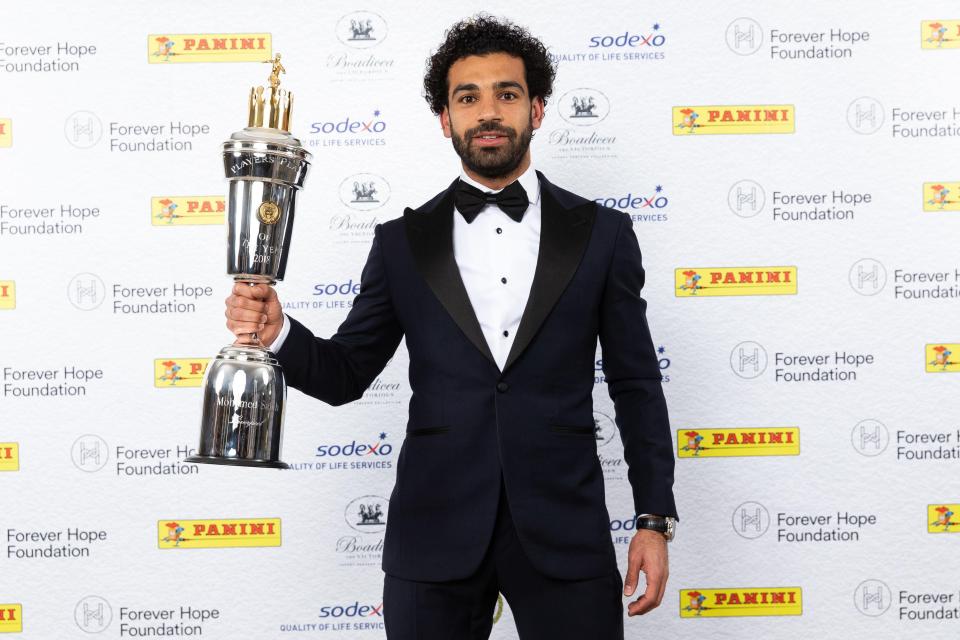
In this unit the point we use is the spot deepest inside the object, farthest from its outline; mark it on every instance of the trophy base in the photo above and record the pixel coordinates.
(238, 462)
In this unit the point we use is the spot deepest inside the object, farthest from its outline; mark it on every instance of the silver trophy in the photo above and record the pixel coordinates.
(243, 388)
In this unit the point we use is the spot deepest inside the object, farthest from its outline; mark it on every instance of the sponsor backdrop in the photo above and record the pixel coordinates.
(789, 171)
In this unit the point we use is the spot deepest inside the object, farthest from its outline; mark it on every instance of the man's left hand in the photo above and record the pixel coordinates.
(647, 553)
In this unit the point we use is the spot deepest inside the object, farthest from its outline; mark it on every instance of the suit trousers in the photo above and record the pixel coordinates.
(543, 608)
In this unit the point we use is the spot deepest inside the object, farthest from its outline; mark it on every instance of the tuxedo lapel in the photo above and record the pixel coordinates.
(430, 235)
(565, 227)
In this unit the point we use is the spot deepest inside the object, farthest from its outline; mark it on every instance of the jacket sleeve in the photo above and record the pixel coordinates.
(632, 371)
(339, 369)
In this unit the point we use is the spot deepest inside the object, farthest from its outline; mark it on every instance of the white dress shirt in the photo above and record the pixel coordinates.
(496, 257)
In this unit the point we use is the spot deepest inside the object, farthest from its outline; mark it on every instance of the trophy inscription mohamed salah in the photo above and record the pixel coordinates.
(243, 387)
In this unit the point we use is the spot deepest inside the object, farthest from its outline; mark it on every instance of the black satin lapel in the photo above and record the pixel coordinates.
(564, 234)
(430, 234)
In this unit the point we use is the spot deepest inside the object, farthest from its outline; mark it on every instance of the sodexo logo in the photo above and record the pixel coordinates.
(361, 29)
(627, 40)
(355, 125)
(584, 107)
(364, 191)
(351, 610)
(640, 207)
(380, 448)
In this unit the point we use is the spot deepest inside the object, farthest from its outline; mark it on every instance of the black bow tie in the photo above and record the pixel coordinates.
(512, 200)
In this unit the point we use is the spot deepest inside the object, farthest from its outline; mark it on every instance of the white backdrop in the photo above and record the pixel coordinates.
(112, 276)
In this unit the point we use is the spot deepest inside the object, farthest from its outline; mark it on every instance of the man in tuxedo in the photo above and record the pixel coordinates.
(501, 286)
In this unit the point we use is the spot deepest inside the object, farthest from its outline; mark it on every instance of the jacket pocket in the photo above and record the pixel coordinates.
(585, 431)
(427, 431)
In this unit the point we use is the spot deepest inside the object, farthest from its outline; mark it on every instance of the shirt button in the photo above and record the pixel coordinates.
(506, 333)
(503, 280)
(499, 230)
(502, 387)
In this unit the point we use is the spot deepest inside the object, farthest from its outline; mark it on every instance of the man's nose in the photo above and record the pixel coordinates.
(489, 110)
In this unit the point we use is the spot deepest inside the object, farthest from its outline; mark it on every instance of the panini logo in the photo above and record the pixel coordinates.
(943, 518)
(943, 358)
(735, 281)
(9, 456)
(6, 133)
(941, 196)
(209, 47)
(940, 34)
(723, 603)
(179, 372)
(8, 294)
(726, 119)
(730, 443)
(171, 211)
(218, 534)
(11, 618)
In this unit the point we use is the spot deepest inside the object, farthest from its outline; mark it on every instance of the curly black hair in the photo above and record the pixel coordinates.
(484, 34)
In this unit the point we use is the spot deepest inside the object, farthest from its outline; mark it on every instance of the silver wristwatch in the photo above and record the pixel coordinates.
(667, 526)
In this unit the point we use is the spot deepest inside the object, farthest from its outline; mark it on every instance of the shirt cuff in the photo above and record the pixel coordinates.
(284, 332)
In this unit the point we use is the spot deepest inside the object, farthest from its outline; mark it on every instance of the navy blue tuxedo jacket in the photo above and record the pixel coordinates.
(532, 423)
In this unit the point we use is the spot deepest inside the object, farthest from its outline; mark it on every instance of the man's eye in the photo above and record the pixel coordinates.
(509, 95)
(467, 99)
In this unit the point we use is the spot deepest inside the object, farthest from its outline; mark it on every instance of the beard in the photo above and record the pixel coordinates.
(493, 162)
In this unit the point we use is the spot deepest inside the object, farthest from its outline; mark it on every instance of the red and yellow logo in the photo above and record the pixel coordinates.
(722, 603)
(735, 281)
(11, 618)
(9, 456)
(179, 372)
(943, 358)
(729, 443)
(218, 534)
(170, 211)
(725, 119)
(941, 196)
(943, 518)
(8, 294)
(6, 133)
(940, 34)
(209, 47)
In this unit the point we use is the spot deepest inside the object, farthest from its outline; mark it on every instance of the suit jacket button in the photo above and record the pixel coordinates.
(502, 387)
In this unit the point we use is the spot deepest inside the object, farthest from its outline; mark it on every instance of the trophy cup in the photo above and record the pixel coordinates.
(243, 388)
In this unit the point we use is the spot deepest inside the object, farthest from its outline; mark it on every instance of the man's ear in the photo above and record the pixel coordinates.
(536, 112)
(445, 122)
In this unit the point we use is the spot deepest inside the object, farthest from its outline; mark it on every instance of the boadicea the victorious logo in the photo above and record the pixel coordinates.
(361, 29)
(940, 34)
(733, 119)
(735, 281)
(172, 211)
(942, 518)
(941, 196)
(179, 372)
(218, 534)
(367, 514)
(584, 107)
(723, 443)
(364, 191)
(166, 48)
(721, 603)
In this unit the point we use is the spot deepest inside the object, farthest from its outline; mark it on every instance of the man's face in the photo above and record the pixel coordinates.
(489, 115)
